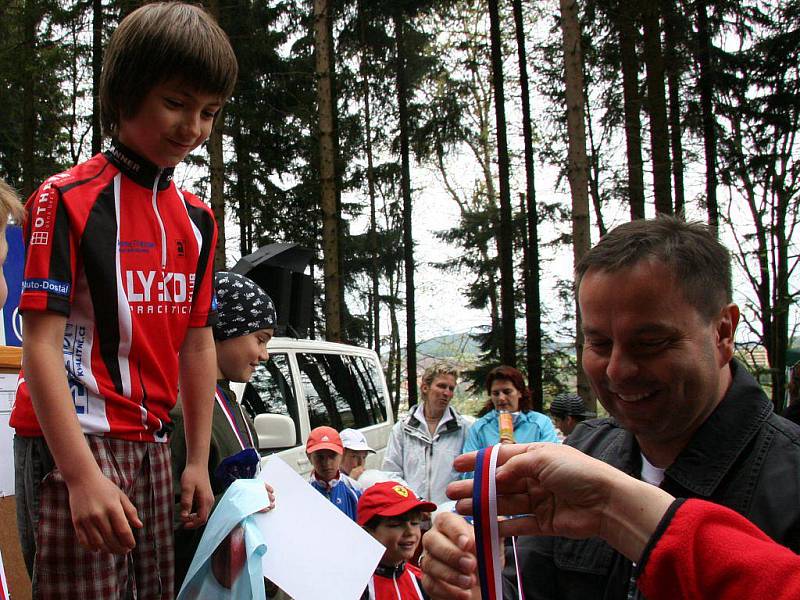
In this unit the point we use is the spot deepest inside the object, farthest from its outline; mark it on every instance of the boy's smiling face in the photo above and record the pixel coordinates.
(238, 357)
(173, 120)
(400, 536)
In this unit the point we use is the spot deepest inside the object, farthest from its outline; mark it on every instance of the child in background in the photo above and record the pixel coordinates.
(245, 325)
(355, 454)
(391, 513)
(117, 309)
(10, 209)
(324, 449)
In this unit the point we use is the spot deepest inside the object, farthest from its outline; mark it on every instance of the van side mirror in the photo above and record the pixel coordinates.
(274, 431)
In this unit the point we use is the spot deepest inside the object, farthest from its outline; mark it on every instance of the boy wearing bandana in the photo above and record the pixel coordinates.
(245, 326)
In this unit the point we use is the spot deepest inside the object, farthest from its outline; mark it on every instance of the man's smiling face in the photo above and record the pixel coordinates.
(654, 362)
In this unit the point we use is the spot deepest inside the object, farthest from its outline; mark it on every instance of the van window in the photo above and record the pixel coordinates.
(368, 377)
(341, 390)
(271, 390)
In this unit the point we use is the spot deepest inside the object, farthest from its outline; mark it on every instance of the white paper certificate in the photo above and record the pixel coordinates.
(313, 549)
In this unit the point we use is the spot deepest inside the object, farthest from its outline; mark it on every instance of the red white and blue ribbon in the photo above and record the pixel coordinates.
(487, 539)
(227, 409)
(488, 545)
(4, 595)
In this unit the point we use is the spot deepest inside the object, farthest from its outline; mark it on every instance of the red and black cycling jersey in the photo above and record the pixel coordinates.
(401, 582)
(127, 257)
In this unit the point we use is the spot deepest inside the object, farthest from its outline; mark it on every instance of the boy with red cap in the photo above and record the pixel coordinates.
(324, 449)
(391, 513)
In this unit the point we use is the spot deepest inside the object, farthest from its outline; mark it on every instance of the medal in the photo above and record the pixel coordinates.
(487, 539)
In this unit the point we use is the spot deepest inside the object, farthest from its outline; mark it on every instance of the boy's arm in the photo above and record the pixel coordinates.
(101, 513)
(198, 369)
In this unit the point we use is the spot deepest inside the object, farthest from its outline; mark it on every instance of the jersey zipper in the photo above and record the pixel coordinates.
(396, 587)
(160, 222)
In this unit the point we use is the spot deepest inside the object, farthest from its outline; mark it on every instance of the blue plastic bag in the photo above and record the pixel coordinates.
(243, 498)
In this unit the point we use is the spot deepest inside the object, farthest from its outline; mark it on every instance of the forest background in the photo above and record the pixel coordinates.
(519, 131)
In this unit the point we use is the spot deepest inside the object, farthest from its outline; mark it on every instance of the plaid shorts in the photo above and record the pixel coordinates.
(61, 567)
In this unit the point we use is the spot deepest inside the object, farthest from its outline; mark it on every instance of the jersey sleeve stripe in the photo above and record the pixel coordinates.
(49, 260)
(62, 260)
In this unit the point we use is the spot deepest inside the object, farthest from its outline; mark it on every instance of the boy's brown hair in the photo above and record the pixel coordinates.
(158, 42)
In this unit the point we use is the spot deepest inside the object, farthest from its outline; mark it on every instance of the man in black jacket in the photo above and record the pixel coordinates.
(655, 300)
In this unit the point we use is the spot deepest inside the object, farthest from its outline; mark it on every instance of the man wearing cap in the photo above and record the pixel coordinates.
(391, 513)
(324, 449)
(568, 410)
(355, 454)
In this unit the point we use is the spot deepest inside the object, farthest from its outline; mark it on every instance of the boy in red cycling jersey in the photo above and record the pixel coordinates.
(117, 306)
(391, 513)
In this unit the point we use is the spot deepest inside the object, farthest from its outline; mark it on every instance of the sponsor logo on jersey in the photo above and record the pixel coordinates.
(40, 238)
(154, 292)
(51, 286)
(137, 246)
(73, 348)
(125, 160)
(42, 212)
(180, 247)
(80, 397)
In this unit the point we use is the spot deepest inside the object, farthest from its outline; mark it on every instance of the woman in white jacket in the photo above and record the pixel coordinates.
(424, 443)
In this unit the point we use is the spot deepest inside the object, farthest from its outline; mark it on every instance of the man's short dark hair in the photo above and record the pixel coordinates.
(158, 42)
(700, 263)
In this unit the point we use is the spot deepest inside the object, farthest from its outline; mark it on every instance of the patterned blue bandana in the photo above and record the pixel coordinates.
(243, 307)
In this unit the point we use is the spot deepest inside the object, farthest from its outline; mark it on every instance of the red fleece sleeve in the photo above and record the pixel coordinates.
(709, 551)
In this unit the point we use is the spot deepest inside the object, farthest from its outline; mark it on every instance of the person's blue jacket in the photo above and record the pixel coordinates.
(344, 493)
(529, 427)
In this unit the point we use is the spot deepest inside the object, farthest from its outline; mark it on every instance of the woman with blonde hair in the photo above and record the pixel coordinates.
(424, 443)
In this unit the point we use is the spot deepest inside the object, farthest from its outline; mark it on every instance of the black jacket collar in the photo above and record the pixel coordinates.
(138, 168)
(713, 449)
(724, 435)
(390, 570)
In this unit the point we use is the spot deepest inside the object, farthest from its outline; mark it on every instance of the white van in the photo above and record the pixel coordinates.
(308, 383)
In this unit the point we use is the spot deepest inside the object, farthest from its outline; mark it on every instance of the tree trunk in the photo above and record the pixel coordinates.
(781, 302)
(97, 67)
(506, 231)
(217, 172)
(327, 172)
(594, 171)
(408, 237)
(242, 168)
(373, 226)
(632, 105)
(671, 42)
(533, 312)
(31, 16)
(393, 367)
(217, 176)
(577, 165)
(707, 110)
(657, 108)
